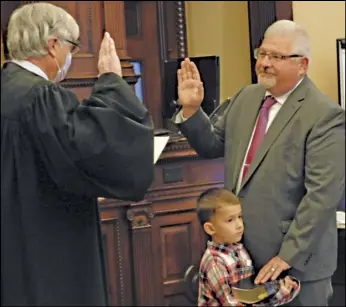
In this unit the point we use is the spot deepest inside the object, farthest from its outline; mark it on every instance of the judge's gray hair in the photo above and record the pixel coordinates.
(288, 28)
(32, 25)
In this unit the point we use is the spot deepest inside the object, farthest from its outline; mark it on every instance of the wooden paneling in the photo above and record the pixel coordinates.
(163, 237)
(155, 32)
(143, 46)
(116, 238)
(173, 27)
(146, 31)
(114, 12)
(178, 241)
(143, 265)
(93, 17)
(150, 244)
(284, 10)
(90, 18)
(261, 15)
(113, 260)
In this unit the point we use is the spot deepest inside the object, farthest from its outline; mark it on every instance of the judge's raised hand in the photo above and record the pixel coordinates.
(190, 88)
(108, 57)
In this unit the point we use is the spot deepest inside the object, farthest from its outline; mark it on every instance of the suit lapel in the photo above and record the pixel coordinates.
(247, 119)
(289, 108)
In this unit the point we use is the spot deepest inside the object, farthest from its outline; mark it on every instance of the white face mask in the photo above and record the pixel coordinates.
(62, 72)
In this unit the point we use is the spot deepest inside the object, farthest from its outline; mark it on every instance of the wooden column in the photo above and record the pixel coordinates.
(114, 16)
(145, 287)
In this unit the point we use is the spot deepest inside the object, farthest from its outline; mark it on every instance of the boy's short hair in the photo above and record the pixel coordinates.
(211, 199)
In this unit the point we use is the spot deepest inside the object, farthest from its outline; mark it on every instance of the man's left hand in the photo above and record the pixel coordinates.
(272, 270)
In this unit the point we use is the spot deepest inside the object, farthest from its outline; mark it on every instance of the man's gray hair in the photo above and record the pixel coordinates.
(32, 25)
(288, 28)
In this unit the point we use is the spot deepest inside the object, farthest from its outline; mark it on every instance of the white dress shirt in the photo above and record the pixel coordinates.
(274, 110)
(31, 67)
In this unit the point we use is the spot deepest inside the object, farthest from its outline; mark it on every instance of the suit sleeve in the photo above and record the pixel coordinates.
(206, 134)
(324, 183)
(102, 147)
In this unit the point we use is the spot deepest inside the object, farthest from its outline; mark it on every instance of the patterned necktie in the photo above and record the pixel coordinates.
(260, 131)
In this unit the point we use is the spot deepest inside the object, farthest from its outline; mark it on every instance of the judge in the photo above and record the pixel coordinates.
(57, 156)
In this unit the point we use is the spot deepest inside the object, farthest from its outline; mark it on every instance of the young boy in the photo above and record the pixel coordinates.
(226, 261)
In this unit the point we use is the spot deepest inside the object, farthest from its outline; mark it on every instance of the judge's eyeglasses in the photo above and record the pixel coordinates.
(75, 46)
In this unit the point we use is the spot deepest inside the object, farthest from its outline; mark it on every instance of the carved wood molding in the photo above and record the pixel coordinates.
(144, 291)
(114, 223)
(181, 28)
(180, 144)
(159, 194)
(179, 149)
(128, 71)
(76, 83)
(140, 217)
(162, 31)
(183, 191)
(172, 29)
(90, 82)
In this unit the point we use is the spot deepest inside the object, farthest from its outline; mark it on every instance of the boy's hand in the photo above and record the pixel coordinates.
(288, 283)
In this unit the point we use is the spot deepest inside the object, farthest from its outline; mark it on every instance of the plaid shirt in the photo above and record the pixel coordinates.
(223, 265)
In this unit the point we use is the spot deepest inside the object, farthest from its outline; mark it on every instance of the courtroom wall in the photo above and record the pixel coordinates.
(221, 28)
(325, 22)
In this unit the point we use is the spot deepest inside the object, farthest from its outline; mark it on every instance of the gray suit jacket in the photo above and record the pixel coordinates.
(296, 179)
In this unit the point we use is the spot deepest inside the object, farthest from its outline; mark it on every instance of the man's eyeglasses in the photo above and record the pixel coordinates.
(260, 55)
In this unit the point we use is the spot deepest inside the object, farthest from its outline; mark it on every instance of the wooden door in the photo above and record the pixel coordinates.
(178, 244)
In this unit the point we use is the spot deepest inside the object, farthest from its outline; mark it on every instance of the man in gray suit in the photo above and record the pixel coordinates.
(284, 148)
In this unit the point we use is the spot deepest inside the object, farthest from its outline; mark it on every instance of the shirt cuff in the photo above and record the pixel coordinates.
(179, 118)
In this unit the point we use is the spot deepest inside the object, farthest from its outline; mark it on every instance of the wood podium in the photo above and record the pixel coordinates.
(151, 244)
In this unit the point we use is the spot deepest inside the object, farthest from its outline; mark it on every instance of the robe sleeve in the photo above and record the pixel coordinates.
(102, 147)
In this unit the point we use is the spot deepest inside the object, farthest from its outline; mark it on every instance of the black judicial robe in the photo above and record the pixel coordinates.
(57, 156)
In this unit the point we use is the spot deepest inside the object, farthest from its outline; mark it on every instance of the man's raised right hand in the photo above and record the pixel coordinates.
(190, 88)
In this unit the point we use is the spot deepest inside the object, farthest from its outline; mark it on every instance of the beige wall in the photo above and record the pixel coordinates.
(325, 22)
(221, 28)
